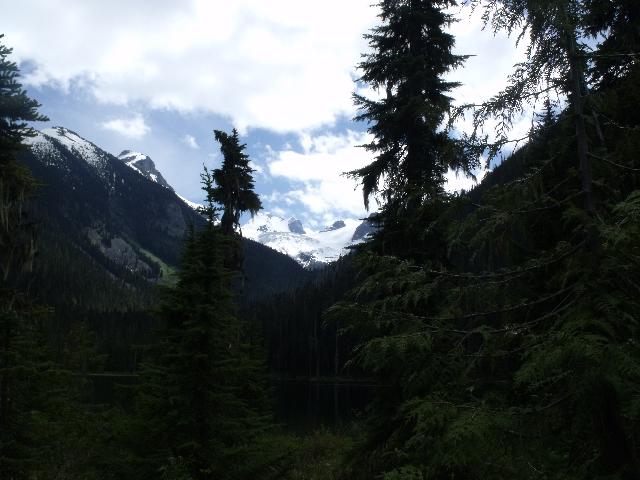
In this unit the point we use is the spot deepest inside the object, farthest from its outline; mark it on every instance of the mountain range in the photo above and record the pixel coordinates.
(310, 248)
(114, 226)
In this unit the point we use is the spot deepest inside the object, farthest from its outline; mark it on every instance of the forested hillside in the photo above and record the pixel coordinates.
(492, 333)
(107, 236)
(506, 318)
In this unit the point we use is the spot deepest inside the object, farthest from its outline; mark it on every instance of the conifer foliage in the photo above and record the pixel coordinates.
(203, 393)
(411, 53)
(16, 257)
(16, 184)
(43, 421)
(234, 182)
(511, 350)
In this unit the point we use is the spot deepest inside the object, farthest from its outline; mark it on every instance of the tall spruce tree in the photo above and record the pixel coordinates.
(201, 404)
(234, 188)
(411, 53)
(16, 256)
(16, 182)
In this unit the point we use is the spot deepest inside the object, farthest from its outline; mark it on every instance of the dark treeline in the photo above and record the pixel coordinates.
(500, 325)
(298, 341)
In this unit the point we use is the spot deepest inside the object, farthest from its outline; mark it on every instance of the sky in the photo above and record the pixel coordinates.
(159, 76)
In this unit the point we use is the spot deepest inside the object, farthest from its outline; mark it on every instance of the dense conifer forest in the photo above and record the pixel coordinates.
(496, 330)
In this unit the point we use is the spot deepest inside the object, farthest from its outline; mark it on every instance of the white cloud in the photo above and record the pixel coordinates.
(134, 127)
(256, 167)
(190, 141)
(283, 65)
(317, 173)
(324, 157)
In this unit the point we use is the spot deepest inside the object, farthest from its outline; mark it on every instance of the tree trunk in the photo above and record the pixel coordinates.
(577, 100)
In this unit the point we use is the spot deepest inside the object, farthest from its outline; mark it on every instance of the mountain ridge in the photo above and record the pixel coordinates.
(143, 164)
(128, 226)
(311, 248)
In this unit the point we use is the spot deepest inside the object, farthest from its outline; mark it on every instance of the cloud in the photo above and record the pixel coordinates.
(283, 65)
(316, 173)
(487, 71)
(270, 65)
(323, 157)
(190, 141)
(257, 168)
(134, 127)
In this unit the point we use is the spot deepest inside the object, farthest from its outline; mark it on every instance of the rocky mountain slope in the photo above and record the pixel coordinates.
(143, 164)
(119, 219)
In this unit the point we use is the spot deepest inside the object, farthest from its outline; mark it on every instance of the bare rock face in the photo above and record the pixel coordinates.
(366, 228)
(143, 164)
(295, 226)
(338, 224)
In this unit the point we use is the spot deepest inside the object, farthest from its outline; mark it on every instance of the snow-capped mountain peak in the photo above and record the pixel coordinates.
(76, 144)
(143, 164)
(50, 145)
(311, 248)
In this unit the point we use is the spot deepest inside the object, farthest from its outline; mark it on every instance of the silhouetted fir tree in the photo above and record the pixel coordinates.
(233, 188)
(16, 257)
(411, 53)
(201, 401)
(516, 355)
(43, 422)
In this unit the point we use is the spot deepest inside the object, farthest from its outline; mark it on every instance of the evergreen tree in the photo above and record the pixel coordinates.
(201, 396)
(411, 53)
(16, 257)
(620, 50)
(45, 429)
(560, 59)
(16, 183)
(509, 351)
(233, 182)
(518, 358)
